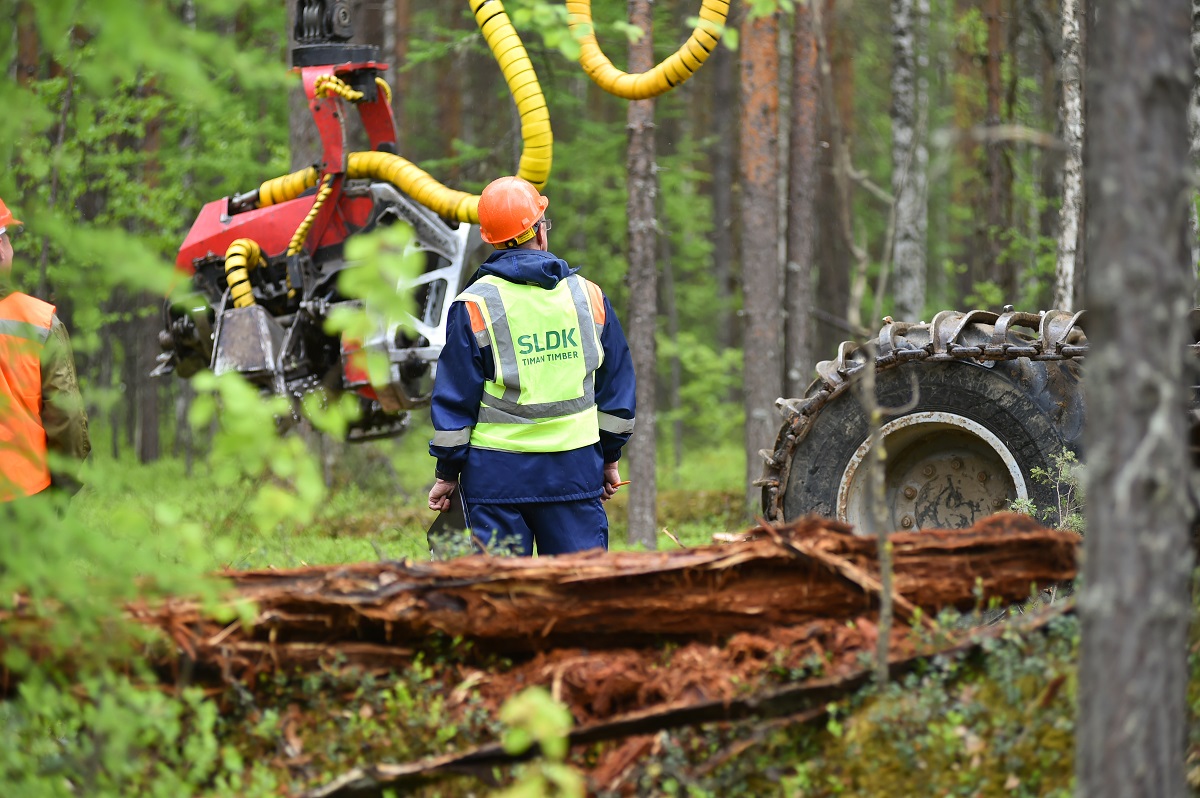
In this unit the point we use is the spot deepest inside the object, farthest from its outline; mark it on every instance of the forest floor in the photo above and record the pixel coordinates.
(760, 637)
(684, 698)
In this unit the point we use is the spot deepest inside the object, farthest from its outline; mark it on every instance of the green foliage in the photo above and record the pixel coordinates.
(550, 21)
(110, 738)
(110, 155)
(997, 724)
(1066, 477)
(986, 294)
(534, 717)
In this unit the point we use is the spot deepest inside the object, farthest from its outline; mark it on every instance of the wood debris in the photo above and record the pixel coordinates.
(375, 614)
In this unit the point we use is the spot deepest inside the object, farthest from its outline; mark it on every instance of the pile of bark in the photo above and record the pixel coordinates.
(790, 588)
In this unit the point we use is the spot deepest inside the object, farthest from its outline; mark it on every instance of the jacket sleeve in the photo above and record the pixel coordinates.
(457, 390)
(64, 416)
(616, 387)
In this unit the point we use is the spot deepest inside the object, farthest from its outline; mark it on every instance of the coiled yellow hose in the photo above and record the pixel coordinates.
(241, 256)
(672, 71)
(301, 234)
(326, 85)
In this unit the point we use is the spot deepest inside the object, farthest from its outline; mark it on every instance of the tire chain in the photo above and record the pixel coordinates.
(1059, 337)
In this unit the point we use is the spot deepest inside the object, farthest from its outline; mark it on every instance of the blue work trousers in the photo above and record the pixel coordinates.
(556, 527)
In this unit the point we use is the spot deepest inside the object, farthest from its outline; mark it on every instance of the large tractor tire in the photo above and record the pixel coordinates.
(971, 406)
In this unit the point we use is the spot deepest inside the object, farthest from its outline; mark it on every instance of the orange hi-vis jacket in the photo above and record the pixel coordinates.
(24, 329)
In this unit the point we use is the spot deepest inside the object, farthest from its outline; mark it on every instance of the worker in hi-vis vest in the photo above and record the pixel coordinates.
(43, 423)
(534, 391)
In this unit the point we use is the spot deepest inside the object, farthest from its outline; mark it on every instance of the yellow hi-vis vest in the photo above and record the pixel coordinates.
(546, 348)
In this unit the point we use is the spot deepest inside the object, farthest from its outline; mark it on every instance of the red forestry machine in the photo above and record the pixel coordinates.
(985, 397)
(264, 265)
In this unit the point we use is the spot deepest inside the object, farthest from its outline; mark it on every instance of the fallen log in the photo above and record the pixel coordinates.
(375, 614)
(804, 702)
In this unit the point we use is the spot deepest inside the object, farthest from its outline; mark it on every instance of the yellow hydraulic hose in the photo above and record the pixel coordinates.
(385, 88)
(243, 254)
(400, 172)
(416, 183)
(671, 72)
(287, 187)
(506, 46)
(537, 153)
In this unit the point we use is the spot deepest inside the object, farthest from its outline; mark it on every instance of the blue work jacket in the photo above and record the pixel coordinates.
(494, 477)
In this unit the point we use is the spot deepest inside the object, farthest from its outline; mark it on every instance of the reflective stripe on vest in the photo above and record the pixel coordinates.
(546, 347)
(24, 329)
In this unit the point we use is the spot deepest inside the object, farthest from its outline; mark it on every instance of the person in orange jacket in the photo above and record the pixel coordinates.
(43, 422)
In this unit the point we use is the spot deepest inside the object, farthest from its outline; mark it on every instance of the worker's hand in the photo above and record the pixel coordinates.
(440, 493)
(611, 477)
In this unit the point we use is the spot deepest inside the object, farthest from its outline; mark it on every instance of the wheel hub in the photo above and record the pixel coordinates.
(943, 471)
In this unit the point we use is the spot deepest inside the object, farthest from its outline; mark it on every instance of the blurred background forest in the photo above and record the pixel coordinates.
(120, 140)
(833, 163)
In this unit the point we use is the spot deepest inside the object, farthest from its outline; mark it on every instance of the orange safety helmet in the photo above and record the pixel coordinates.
(508, 209)
(6, 217)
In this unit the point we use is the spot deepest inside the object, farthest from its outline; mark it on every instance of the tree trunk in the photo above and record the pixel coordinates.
(670, 306)
(148, 414)
(910, 156)
(1194, 129)
(802, 204)
(834, 260)
(815, 571)
(303, 141)
(762, 275)
(449, 93)
(969, 238)
(1133, 670)
(999, 175)
(403, 22)
(642, 184)
(29, 49)
(724, 159)
(1066, 280)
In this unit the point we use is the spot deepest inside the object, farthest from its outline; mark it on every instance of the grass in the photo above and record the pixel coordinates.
(374, 507)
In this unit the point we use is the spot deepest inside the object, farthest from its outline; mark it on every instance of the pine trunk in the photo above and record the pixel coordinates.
(724, 160)
(834, 259)
(762, 275)
(802, 203)
(1131, 729)
(642, 183)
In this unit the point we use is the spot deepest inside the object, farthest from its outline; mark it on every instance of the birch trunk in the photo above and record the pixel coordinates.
(1065, 277)
(642, 184)
(1131, 729)
(910, 156)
